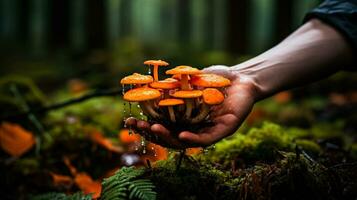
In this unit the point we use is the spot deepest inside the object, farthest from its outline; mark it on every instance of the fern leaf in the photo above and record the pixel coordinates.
(122, 185)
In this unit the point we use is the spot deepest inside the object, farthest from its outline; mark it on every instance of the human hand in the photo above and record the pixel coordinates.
(226, 117)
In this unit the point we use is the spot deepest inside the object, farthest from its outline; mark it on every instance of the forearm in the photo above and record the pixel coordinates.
(311, 53)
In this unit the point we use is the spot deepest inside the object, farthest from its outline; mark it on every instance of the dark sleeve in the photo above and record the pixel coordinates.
(340, 14)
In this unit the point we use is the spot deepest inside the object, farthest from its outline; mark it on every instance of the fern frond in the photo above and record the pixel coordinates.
(125, 185)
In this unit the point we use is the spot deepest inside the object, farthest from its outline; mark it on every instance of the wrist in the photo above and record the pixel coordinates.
(244, 78)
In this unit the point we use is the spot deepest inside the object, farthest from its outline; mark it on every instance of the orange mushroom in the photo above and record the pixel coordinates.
(185, 72)
(143, 95)
(156, 64)
(168, 83)
(170, 103)
(136, 78)
(209, 80)
(211, 96)
(188, 96)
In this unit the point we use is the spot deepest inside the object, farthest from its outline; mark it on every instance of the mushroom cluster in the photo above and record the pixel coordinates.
(185, 98)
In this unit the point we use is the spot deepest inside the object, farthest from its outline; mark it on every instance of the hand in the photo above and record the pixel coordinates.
(226, 117)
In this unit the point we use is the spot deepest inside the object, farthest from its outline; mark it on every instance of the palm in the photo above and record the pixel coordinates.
(226, 117)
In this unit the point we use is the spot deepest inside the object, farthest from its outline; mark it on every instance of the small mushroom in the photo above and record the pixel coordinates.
(156, 64)
(185, 72)
(209, 81)
(188, 95)
(143, 95)
(211, 96)
(136, 79)
(166, 85)
(170, 103)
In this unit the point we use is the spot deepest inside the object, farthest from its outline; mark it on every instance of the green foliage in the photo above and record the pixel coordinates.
(62, 196)
(124, 184)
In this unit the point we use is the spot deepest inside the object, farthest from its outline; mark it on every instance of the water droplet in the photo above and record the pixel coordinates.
(143, 145)
(138, 105)
(122, 89)
(130, 109)
(149, 70)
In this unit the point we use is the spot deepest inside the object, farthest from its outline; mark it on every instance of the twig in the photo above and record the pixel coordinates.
(32, 117)
(182, 154)
(98, 93)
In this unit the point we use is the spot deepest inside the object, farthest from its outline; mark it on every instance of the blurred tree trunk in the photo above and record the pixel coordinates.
(261, 25)
(170, 19)
(199, 10)
(77, 27)
(184, 22)
(8, 20)
(237, 26)
(38, 26)
(219, 24)
(146, 21)
(113, 21)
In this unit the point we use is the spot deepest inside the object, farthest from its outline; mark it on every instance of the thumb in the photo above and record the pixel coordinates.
(219, 70)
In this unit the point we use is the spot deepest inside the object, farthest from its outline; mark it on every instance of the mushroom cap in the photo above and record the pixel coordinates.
(187, 94)
(210, 80)
(168, 83)
(141, 94)
(178, 77)
(137, 79)
(156, 62)
(183, 69)
(171, 102)
(212, 96)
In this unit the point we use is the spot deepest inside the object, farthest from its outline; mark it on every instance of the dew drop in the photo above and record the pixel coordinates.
(149, 70)
(143, 145)
(122, 89)
(130, 109)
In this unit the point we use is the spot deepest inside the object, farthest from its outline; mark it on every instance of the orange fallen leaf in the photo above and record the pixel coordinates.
(154, 153)
(88, 185)
(77, 86)
(127, 138)
(194, 151)
(257, 114)
(283, 97)
(59, 179)
(15, 140)
(98, 138)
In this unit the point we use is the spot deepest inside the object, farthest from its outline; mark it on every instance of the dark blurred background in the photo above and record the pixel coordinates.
(99, 41)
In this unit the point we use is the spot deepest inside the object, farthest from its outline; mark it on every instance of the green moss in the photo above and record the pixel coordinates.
(258, 144)
(308, 146)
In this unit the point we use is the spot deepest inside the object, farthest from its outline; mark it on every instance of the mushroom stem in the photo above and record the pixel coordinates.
(184, 82)
(143, 108)
(189, 105)
(156, 72)
(149, 109)
(203, 114)
(171, 113)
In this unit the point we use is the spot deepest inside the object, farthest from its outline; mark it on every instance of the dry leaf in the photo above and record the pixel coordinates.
(127, 138)
(154, 153)
(15, 140)
(88, 185)
(283, 97)
(98, 138)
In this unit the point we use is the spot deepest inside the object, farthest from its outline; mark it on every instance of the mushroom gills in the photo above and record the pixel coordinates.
(204, 111)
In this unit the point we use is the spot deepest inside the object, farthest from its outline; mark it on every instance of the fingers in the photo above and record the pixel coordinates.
(225, 125)
(165, 135)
